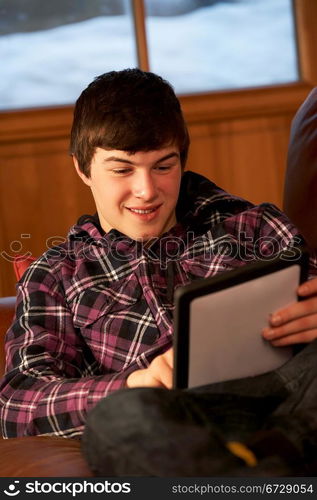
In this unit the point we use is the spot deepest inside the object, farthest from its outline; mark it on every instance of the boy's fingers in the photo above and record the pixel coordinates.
(308, 288)
(169, 357)
(294, 311)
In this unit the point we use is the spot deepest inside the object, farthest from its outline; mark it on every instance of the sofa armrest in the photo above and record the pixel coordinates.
(36, 456)
(41, 456)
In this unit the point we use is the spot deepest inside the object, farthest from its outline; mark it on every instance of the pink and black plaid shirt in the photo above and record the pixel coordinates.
(99, 306)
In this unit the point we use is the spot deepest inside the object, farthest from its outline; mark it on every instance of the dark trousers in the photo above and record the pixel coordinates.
(160, 432)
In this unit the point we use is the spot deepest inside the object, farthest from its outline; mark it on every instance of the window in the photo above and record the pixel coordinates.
(222, 44)
(49, 53)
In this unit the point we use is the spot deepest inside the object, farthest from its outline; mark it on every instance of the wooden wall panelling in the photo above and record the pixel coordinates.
(203, 157)
(246, 157)
(41, 196)
(258, 170)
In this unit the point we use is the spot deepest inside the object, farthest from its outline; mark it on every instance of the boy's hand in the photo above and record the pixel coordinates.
(158, 374)
(296, 323)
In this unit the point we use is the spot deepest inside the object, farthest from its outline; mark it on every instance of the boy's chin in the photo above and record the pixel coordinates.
(146, 239)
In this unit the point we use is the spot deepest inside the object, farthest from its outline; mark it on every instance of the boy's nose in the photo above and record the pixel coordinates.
(145, 188)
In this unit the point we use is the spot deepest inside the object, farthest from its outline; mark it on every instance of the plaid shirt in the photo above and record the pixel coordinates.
(99, 306)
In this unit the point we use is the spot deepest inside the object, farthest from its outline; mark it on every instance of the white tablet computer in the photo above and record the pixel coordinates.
(218, 321)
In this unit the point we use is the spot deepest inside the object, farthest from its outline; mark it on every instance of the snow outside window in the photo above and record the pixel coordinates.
(223, 44)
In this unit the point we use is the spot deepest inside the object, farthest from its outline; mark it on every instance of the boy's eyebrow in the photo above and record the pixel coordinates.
(124, 160)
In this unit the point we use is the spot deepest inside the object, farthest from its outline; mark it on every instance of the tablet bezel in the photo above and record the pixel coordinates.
(185, 294)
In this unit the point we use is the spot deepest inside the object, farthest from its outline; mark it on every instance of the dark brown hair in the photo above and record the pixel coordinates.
(130, 110)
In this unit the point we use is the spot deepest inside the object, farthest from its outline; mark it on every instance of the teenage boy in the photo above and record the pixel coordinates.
(94, 315)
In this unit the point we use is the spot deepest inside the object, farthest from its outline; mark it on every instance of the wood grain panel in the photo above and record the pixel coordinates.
(41, 197)
(245, 157)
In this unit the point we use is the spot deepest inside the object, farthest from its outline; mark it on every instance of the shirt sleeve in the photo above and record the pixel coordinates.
(50, 382)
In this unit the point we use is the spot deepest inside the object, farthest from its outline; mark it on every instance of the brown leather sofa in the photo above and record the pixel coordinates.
(36, 456)
(300, 189)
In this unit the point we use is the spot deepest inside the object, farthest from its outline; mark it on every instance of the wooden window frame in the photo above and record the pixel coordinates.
(53, 122)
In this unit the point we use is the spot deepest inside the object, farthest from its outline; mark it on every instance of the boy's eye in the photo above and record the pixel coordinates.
(163, 168)
(121, 171)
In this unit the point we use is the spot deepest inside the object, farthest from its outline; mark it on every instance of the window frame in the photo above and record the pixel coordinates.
(54, 121)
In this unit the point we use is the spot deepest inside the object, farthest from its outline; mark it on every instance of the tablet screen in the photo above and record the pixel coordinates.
(225, 326)
(218, 322)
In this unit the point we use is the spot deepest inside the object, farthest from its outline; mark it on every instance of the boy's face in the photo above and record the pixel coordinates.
(135, 193)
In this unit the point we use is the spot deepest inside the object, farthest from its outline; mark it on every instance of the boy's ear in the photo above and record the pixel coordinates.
(83, 177)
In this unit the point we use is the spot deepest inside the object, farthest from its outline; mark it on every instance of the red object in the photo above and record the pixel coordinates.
(21, 263)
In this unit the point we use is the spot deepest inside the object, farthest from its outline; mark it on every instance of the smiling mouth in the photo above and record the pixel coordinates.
(143, 211)
(138, 211)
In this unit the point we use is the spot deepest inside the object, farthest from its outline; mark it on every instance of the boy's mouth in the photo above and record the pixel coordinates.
(146, 213)
(142, 211)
